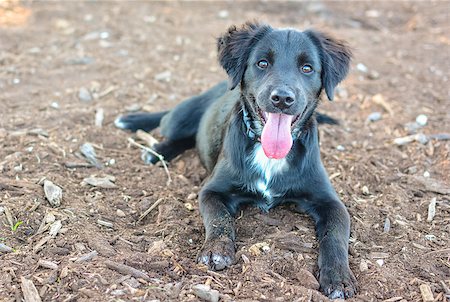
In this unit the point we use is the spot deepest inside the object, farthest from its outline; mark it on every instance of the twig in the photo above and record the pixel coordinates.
(151, 208)
(160, 157)
(126, 270)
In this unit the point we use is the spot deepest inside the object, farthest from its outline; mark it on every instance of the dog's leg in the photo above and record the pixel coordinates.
(169, 149)
(333, 230)
(218, 251)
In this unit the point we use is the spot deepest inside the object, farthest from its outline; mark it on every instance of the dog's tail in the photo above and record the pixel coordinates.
(142, 120)
(326, 119)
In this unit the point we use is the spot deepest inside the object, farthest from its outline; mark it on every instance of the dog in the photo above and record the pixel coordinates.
(257, 137)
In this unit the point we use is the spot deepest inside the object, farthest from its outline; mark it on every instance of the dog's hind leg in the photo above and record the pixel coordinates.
(178, 126)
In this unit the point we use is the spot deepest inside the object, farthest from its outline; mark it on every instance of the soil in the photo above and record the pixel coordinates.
(150, 56)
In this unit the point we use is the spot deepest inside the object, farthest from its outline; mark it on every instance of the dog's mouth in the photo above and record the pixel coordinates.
(276, 136)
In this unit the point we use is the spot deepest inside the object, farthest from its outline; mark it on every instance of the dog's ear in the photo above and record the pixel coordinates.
(335, 56)
(234, 48)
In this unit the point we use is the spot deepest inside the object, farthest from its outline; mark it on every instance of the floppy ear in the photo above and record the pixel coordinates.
(234, 48)
(335, 56)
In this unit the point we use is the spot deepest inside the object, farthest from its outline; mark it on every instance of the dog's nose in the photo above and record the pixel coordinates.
(282, 98)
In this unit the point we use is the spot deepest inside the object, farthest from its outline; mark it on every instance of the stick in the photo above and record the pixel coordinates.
(126, 270)
(160, 157)
(151, 208)
(30, 293)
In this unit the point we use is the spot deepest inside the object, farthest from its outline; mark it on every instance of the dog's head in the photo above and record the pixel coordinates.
(281, 73)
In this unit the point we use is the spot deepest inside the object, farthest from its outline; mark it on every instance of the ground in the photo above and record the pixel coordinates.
(150, 56)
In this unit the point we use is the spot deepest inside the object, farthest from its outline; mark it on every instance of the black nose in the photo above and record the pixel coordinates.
(282, 98)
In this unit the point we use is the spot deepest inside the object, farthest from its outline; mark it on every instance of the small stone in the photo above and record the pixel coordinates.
(372, 13)
(80, 247)
(84, 95)
(365, 190)
(53, 193)
(426, 174)
(421, 119)
(363, 266)
(54, 105)
(373, 75)
(361, 67)
(192, 196)
(374, 116)
(189, 206)
(380, 262)
(340, 148)
(120, 213)
(205, 292)
(223, 14)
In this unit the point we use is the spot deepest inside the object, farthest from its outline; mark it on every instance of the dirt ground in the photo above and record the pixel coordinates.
(63, 63)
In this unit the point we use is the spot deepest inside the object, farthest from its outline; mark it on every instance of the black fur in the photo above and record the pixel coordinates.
(226, 127)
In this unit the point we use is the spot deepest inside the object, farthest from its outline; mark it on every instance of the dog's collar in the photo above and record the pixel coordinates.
(249, 131)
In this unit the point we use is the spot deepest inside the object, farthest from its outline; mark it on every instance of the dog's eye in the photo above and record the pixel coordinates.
(263, 64)
(307, 68)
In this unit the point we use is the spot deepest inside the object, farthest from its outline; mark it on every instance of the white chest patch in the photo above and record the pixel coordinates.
(267, 169)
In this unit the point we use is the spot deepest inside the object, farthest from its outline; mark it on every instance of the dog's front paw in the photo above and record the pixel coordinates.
(149, 158)
(217, 253)
(337, 282)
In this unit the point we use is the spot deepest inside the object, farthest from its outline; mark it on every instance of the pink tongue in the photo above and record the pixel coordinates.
(276, 136)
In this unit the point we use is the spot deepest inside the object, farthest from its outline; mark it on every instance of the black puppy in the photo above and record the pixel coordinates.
(259, 140)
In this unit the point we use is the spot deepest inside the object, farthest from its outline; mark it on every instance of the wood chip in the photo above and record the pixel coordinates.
(419, 137)
(431, 210)
(53, 193)
(205, 292)
(393, 299)
(378, 255)
(55, 228)
(9, 217)
(126, 270)
(5, 249)
(88, 152)
(259, 247)
(429, 184)
(101, 245)
(87, 257)
(387, 225)
(100, 182)
(146, 137)
(74, 165)
(379, 100)
(47, 264)
(427, 294)
(105, 223)
(30, 293)
(41, 243)
(99, 117)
